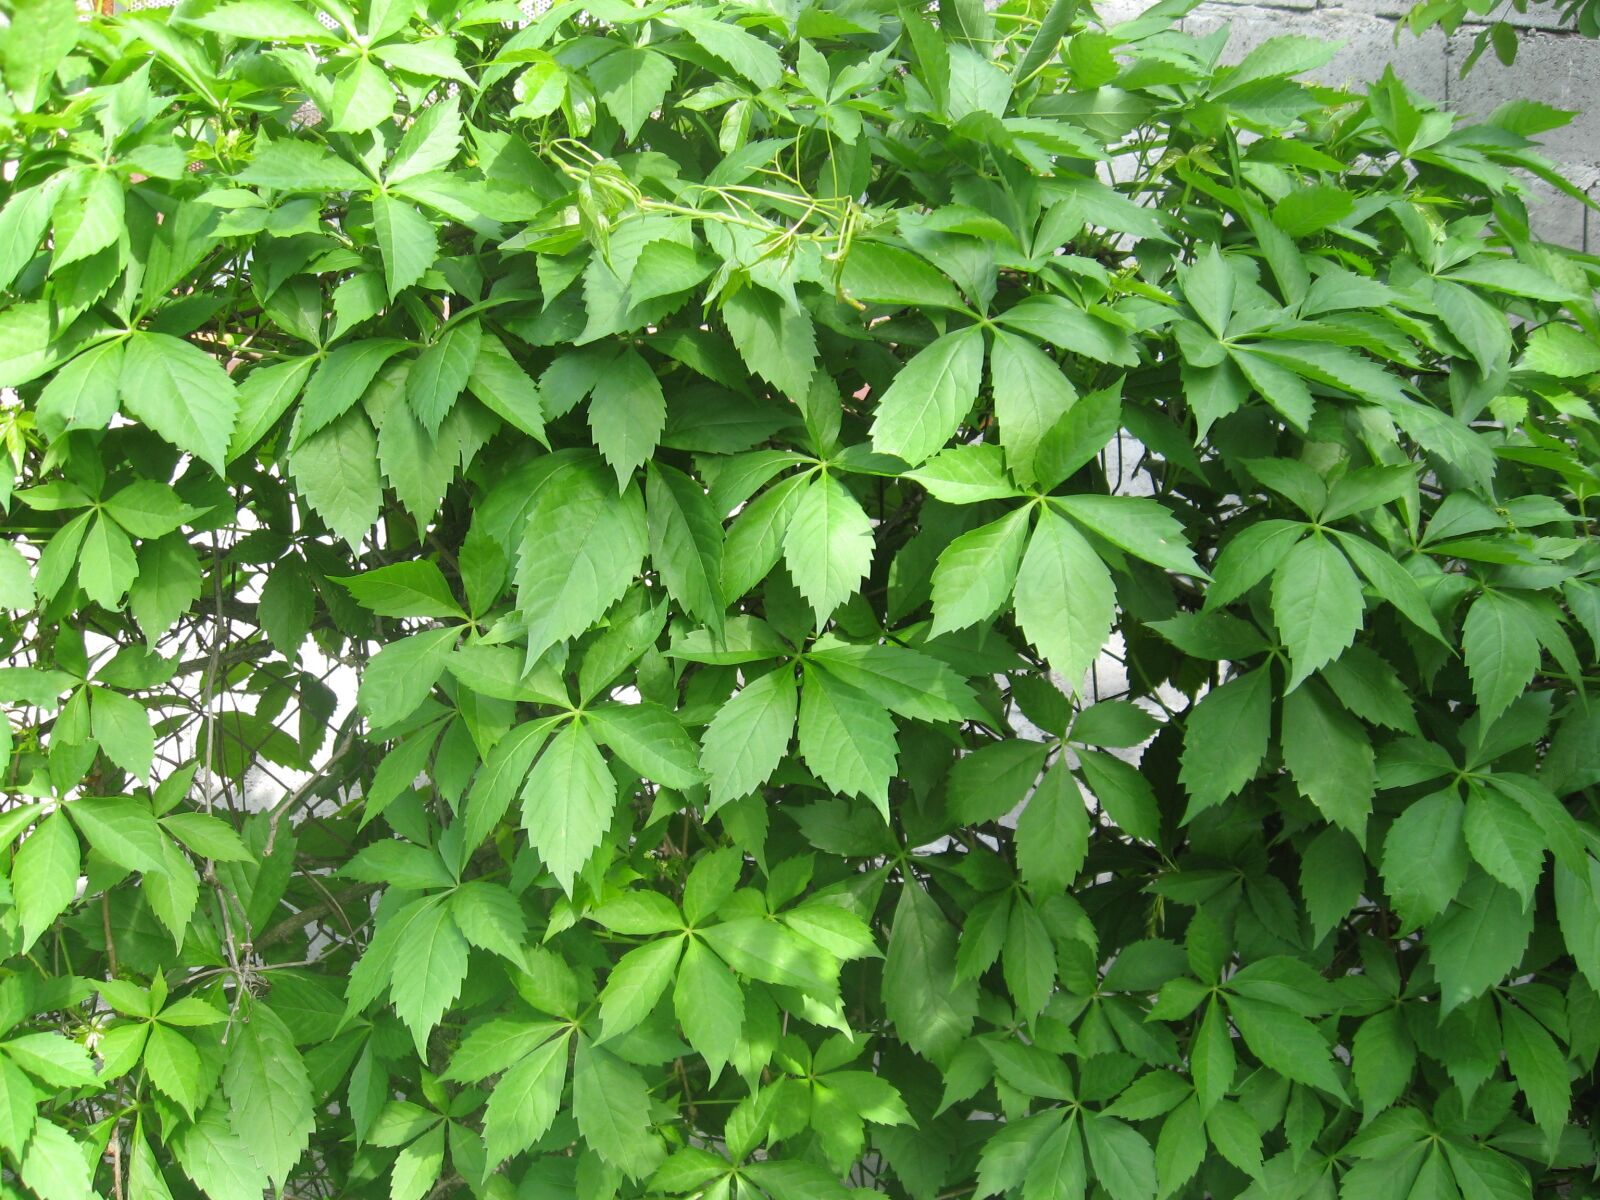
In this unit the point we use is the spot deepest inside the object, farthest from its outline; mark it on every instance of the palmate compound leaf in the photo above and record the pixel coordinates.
(756, 271)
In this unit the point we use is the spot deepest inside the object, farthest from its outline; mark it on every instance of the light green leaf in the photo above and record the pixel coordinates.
(1144, 528)
(636, 983)
(269, 1092)
(627, 412)
(847, 738)
(632, 82)
(710, 1005)
(581, 548)
(748, 737)
(524, 1102)
(337, 472)
(776, 341)
(181, 392)
(405, 239)
(650, 739)
(1031, 394)
(400, 676)
(1316, 601)
(924, 406)
(44, 875)
(612, 1108)
(430, 963)
(828, 545)
(1065, 600)
(568, 802)
(977, 571)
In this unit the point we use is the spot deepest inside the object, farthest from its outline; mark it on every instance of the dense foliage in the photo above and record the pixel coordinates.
(945, 603)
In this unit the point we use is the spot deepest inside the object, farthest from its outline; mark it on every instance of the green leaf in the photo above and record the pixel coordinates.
(966, 474)
(992, 781)
(775, 339)
(1330, 757)
(1317, 604)
(439, 376)
(82, 394)
(977, 571)
(285, 21)
(405, 239)
(1053, 833)
(400, 676)
(932, 1010)
(44, 876)
(430, 963)
(636, 983)
(1333, 878)
(650, 739)
(1031, 395)
(417, 1167)
(929, 397)
(568, 802)
(297, 165)
(1503, 840)
(828, 545)
(1383, 1058)
(847, 739)
(167, 584)
(877, 273)
(1501, 648)
(1286, 1042)
(1225, 739)
(1065, 601)
(1478, 941)
(405, 589)
(180, 392)
(1540, 1069)
(362, 98)
(749, 736)
(269, 1092)
(903, 680)
(106, 564)
(612, 1108)
(709, 1004)
(337, 471)
(121, 828)
(581, 548)
(499, 381)
(430, 143)
(340, 381)
(632, 82)
(1425, 856)
(54, 1167)
(525, 1101)
(1123, 1162)
(685, 542)
(627, 413)
(1144, 528)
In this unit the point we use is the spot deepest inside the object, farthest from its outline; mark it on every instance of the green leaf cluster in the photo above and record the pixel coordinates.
(799, 601)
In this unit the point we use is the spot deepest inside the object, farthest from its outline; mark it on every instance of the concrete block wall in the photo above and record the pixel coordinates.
(1554, 67)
